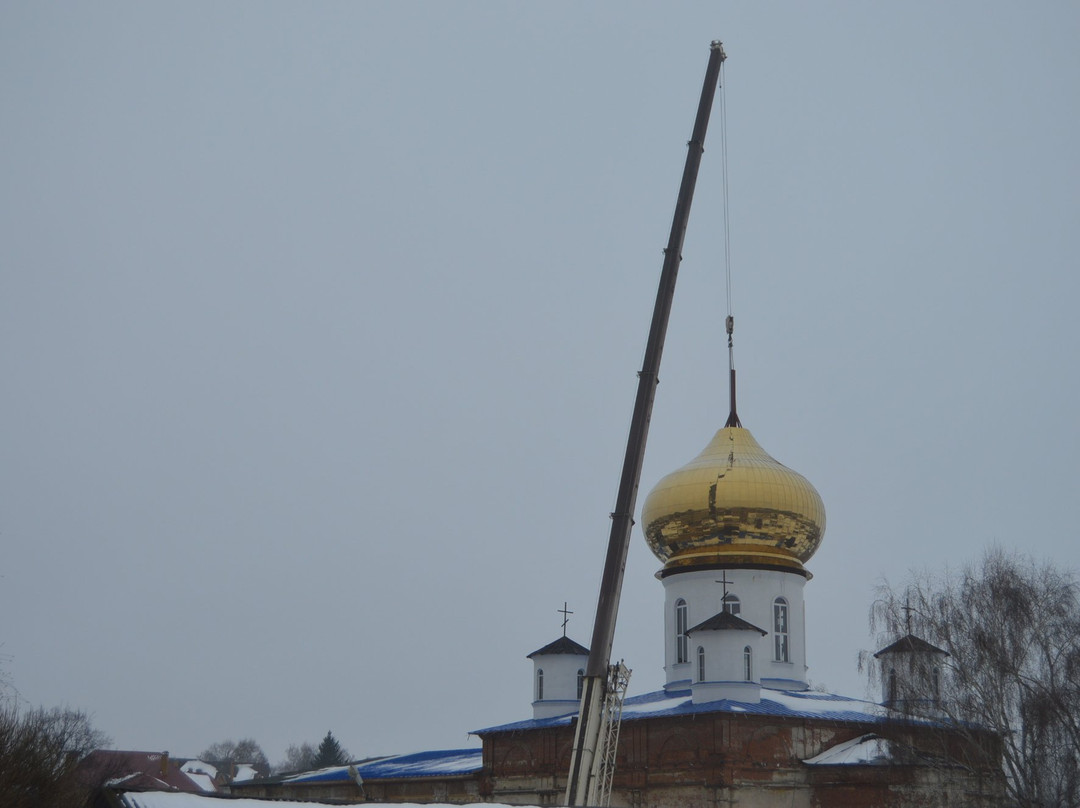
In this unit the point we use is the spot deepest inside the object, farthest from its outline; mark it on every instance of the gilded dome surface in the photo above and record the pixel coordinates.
(732, 505)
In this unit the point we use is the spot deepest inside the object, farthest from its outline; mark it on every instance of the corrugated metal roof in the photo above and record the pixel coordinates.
(440, 763)
(790, 704)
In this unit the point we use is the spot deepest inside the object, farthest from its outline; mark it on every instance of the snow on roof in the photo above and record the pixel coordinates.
(199, 767)
(440, 763)
(787, 703)
(119, 781)
(244, 772)
(203, 781)
(866, 750)
(201, 773)
(136, 771)
(162, 799)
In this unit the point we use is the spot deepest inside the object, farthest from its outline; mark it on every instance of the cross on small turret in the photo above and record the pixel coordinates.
(729, 603)
(723, 580)
(566, 616)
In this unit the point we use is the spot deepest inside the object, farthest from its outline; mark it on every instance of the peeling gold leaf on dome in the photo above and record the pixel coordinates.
(734, 505)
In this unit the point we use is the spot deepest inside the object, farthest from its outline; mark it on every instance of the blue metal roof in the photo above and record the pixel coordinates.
(440, 763)
(786, 703)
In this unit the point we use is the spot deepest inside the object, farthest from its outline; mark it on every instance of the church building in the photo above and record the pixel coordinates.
(735, 723)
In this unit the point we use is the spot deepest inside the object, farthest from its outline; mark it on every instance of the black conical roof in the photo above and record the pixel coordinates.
(911, 643)
(726, 621)
(563, 645)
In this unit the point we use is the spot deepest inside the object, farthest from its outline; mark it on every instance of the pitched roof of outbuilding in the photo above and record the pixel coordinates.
(726, 621)
(911, 643)
(563, 645)
(438, 763)
(139, 771)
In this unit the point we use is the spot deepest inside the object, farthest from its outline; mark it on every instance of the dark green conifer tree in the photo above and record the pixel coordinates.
(330, 753)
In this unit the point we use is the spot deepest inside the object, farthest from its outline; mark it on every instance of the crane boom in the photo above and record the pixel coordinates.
(583, 783)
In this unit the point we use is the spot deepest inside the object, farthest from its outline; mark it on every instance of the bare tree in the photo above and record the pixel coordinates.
(306, 757)
(227, 755)
(39, 753)
(1009, 630)
(298, 759)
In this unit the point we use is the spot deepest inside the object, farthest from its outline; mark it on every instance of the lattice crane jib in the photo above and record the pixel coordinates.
(618, 680)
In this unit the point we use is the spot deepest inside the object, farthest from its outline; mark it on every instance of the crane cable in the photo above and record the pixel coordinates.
(724, 188)
(733, 418)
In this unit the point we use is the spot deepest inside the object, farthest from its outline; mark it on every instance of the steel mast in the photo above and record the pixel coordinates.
(584, 785)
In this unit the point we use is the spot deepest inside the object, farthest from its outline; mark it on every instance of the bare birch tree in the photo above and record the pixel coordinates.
(1011, 629)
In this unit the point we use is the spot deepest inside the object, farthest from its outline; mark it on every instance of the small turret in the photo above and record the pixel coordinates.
(558, 673)
(911, 671)
(724, 666)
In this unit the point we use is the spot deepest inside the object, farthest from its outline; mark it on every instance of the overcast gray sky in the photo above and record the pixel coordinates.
(319, 325)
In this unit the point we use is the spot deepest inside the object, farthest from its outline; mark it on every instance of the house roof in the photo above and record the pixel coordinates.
(910, 643)
(139, 771)
(563, 645)
(726, 621)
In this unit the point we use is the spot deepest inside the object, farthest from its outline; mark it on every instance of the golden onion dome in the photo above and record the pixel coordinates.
(733, 505)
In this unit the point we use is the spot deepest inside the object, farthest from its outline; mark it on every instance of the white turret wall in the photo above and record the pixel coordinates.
(759, 592)
(560, 683)
(720, 666)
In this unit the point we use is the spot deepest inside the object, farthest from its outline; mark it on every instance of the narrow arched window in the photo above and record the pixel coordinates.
(732, 605)
(700, 664)
(681, 652)
(780, 630)
(892, 687)
(748, 663)
(935, 684)
(539, 684)
(580, 682)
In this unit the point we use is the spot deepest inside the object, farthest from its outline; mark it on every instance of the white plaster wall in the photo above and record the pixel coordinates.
(724, 654)
(560, 683)
(724, 666)
(756, 590)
